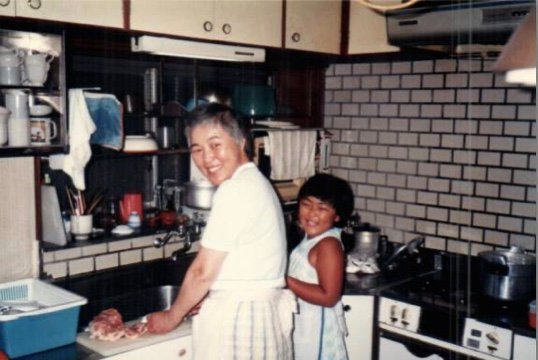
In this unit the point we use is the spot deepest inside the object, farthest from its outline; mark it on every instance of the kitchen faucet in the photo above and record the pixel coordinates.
(189, 232)
(410, 248)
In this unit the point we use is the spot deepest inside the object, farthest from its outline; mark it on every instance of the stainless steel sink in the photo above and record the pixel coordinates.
(134, 290)
(131, 305)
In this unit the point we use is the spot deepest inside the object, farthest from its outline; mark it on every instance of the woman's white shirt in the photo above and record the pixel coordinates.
(246, 221)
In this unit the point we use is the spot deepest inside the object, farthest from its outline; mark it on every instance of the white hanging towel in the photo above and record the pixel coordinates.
(292, 153)
(81, 126)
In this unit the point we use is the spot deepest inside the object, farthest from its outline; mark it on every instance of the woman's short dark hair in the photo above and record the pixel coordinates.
(217, 114)
(333, 190)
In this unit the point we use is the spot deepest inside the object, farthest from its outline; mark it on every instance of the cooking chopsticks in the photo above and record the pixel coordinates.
(78, 204)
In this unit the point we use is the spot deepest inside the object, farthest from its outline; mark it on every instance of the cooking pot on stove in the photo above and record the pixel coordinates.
(366, 241)
(508, 275)
(198, 194)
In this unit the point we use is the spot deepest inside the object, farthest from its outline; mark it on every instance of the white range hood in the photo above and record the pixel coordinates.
(196, 50)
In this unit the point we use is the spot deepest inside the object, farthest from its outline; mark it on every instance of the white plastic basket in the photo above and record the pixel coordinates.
(49, 297)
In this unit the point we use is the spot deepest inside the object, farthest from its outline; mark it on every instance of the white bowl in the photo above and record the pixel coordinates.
(40, 110)
(140, 144)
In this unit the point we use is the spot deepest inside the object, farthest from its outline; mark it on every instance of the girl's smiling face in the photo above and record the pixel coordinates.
(316, 216)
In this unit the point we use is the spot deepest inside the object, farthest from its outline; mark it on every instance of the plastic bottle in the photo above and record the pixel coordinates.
(134, 220)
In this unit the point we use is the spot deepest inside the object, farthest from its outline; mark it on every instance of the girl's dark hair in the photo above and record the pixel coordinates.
(217, 114)
(333, 190)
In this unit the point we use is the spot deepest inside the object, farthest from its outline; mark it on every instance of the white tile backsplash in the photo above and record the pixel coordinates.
(467, 96)
(402, 67)
(504, 112)
(423, 66)
(80, 266)
(361, 69)
(106, 261)
(130, 257)
(526, 145)
(410, 81)
(527, 112)
(444, 148)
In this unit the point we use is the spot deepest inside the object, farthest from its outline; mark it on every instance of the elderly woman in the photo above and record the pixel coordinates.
(247, 313)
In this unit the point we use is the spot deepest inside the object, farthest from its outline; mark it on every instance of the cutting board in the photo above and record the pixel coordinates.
(109, 348)
(51, 217)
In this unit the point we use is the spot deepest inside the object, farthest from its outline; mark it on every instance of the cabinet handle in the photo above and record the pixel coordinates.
(226, 28)
(208, 26)
(5, 2)
(347, 308)
(296, 37)
(34, 4)
(182, 353)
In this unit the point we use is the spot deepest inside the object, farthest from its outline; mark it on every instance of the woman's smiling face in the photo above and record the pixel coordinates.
(316, 216)
(215, 152)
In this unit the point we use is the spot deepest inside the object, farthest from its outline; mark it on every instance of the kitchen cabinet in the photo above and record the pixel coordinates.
(367, 31)
(359, 315)
(314, 25)
(253, 22)
(107, 13)
(174, 349)
(7, 7)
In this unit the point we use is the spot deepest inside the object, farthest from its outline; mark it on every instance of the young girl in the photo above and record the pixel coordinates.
(316, 270)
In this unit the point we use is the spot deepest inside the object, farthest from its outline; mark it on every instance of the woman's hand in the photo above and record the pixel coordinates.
(196, 309)
(162, 322)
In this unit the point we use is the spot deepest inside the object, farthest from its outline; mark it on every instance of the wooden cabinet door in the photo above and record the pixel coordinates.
(175, 349)
(107, 13)
(314, 25)
(367, 31)
(253, 22)
(7, 7)
(359, 315)
(190, 18)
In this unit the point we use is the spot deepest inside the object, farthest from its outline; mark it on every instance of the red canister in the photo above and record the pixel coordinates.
(532, 314)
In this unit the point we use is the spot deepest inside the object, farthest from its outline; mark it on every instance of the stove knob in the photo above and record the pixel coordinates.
(393, 313)
(493, 337)
(404, 320)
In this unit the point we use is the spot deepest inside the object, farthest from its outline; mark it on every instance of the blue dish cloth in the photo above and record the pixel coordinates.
(107, 114)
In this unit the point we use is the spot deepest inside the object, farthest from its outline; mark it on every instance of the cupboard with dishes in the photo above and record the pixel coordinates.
(33, 93)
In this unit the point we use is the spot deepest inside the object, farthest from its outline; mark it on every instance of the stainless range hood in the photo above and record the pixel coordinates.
(483, 22)
(196, 50)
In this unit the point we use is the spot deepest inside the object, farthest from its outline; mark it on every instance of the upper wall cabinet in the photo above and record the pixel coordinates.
(107, 13)
(7, 7)
(367, 31)
(254, 22)
(314, 25)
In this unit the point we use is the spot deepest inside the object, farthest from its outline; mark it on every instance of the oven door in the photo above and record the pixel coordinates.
(395, 346)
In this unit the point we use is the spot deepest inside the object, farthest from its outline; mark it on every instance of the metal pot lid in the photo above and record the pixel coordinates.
(515, 256)
(366, 227)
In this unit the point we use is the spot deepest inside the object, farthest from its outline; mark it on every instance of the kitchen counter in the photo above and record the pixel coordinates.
(166, 272)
